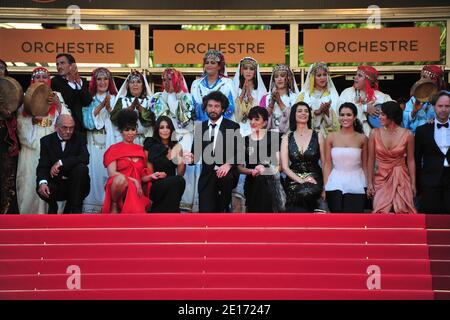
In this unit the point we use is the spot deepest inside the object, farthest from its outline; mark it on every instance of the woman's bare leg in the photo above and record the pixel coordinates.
(119, 188)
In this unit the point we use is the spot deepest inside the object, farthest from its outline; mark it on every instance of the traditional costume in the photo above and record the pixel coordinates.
(426, 111)
(30, 130)
(100, 137)
(279, 119)
(314, 97)
(146, 118)
(361, 98)
(243, 107)
(200, 88)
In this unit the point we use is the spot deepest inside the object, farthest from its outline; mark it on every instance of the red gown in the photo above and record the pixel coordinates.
(122, 154)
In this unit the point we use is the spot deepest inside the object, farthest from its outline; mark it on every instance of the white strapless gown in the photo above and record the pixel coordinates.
(347, 174)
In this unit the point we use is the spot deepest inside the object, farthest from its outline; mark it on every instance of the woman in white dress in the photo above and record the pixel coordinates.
(135, 94)
(176, 103)
(321, 95)
(30, 130)
(100, 134)
(345, 167)
(250, 87)
(365, 95)
(283, 93)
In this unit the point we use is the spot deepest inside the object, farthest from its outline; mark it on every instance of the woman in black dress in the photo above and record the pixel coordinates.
(261, 163)
(164, 159)
(301, 150)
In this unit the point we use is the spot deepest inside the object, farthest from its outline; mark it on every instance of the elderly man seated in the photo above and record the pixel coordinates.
(62, 172)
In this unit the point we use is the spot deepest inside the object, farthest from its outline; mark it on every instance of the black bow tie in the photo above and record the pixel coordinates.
(440, 125)
(62, 140)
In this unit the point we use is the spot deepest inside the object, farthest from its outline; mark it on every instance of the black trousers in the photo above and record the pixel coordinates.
(339, 202)
(166, 194)
(437, 199)
(73, 189)
(215, 196)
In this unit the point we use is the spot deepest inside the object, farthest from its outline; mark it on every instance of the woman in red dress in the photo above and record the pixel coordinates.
(128, 185)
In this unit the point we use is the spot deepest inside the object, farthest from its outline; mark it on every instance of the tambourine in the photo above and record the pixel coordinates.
(423, 90)
(374, 121)
(11, 94)
(36, 99)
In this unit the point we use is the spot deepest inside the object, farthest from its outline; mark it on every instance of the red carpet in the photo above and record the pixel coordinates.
(225, 256)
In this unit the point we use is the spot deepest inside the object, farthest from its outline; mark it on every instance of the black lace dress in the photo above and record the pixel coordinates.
(259, 196)
(165, 193)
(304, 197)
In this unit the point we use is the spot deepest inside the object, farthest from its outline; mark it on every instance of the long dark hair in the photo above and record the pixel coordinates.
(292, 120)
(157, 137)
(357, 125)
(241, 77)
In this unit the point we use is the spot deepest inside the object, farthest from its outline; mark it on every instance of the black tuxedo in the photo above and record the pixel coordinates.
(73, 182)
(433, 179)
(75, 99)
(215, 193)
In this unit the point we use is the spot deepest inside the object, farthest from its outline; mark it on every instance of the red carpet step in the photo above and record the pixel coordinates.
(225, 256)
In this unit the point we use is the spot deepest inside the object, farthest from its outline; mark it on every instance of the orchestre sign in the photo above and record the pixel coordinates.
(372, 45)
(182, 46)
(98, 46)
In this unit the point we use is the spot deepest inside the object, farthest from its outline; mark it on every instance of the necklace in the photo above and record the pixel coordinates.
(302, 133)
(390, 131)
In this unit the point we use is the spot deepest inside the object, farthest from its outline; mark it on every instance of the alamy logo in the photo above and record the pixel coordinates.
(74, 19)
(374, 279)
(74, 280)
(374, 20)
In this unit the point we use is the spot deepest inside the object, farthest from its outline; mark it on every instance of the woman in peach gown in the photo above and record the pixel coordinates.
(393, 186)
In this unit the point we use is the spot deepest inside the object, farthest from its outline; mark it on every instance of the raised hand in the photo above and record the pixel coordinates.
(372, 110)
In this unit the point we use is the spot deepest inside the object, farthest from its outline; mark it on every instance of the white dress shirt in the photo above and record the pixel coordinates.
(216, 130)
(442, 138)
(76, 86)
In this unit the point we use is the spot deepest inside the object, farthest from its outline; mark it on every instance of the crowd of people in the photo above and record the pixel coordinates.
(227, 145)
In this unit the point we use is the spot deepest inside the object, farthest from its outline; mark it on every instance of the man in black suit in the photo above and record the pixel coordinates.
(432, 154)
(62, 172)
(216, 140)
(72, 87)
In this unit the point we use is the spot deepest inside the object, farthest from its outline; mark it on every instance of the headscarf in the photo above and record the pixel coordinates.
(217, 56)
(310, 82)
(371, 80)
(123, 91)
(292, 84)
(40, 70)
(99, 72)
(258, 81)
(436, 74)
(310, 78)
(178, 81)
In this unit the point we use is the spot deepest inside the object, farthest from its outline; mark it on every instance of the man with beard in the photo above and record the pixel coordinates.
(72, 87)
(216, 139)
